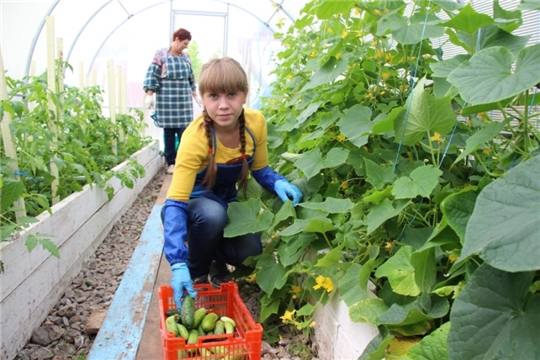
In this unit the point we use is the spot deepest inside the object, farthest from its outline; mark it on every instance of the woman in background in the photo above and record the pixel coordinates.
(170, 77)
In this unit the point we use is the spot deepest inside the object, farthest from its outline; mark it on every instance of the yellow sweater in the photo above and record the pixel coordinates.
(192, 156)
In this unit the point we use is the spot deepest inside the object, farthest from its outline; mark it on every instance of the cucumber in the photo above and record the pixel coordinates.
(198, 317)
(219, 329)
(187, 312)
(209, 322)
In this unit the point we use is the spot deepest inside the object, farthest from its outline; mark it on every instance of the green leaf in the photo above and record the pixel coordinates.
(503, 227)
(376, 349)
(433, 346)
(327, 73)
(327, 9)
(468, 20)
(419, 311)
(382, 212)
(50, 247)
(11, 191)
(400, 272)
(377, 175)
(457, 209)
(426, 116)
(269, 307)
(356, 124)
(529, 5)
(417, 30)
(312, 162)
(494, 317)
(367, 310)
(321, 225)
(310, 110)
(511, 19)
(482, 136)
(425, 270)
(330, 205)
(491, 69)
(349, 285)
(420, 182)
(246, 217)
(285, 212)
(294, 249)
(270, 274)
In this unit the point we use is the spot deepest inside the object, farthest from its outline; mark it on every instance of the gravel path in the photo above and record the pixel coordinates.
(62, 335)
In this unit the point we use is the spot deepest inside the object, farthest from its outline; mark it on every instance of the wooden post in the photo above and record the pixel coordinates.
(121, 98)
(81, 76)
(9, 144)
(60, 76)
(112, 98)
(51, 83)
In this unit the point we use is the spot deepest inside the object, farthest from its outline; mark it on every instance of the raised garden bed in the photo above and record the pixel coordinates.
(33, 282)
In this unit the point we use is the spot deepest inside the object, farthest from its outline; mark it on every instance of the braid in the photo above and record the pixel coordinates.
(243, 177)
(210, 176)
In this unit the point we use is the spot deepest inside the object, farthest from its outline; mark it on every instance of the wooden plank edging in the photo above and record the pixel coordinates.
(122, 329)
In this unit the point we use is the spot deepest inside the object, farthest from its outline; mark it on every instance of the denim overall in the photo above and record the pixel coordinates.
(207, 217)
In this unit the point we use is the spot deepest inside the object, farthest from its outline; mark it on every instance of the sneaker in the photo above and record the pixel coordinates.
(170, 169)
(219, 274)
(203, 279)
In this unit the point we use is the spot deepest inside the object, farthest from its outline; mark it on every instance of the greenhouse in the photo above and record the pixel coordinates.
(263, 179)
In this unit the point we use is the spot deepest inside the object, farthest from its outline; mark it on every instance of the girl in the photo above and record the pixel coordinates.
(218, 149)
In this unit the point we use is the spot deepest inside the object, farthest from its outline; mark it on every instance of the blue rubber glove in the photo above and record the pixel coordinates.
(287, 191)
(181, 279)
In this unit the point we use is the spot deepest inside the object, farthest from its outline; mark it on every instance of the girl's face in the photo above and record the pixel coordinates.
(224, 108)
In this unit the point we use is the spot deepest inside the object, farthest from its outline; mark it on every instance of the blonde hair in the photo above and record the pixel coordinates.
(224, 75)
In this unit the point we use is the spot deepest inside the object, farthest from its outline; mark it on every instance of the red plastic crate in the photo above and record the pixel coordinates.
(246, 341)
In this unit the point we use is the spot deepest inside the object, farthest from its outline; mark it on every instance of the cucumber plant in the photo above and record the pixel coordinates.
(419, 173)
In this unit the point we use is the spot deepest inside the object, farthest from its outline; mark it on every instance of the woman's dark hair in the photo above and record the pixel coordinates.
(182, 34)
(224, 75)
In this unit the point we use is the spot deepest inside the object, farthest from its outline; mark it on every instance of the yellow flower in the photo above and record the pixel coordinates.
(452, 258)
(295, 289)
(341, 137)
(313, 54)
(313, 323)
(344, 33)
(287, 316)
(338, 55)
(344, 185)
(435, 137)
(377, 11)
(374, 44)
(388, 246)
(324, 282)
(330, 30)
(251, 278)
(486, 151)
(356, 12)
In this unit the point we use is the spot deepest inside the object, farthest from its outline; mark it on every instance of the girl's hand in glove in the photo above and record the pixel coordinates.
(181, 279)
(287, 191)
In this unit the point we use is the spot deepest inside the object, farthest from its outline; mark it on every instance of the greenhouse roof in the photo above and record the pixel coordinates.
(91, 33)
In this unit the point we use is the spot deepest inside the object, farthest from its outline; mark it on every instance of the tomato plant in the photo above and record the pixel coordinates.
(83, 144)
(418, 173)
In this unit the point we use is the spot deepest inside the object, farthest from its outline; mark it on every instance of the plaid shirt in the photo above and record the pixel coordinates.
(172, 80)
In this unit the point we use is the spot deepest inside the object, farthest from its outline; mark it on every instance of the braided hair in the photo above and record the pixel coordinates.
(223, 75)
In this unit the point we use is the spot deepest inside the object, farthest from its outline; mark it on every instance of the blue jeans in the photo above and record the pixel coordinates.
(207, 219)
(169, 143)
